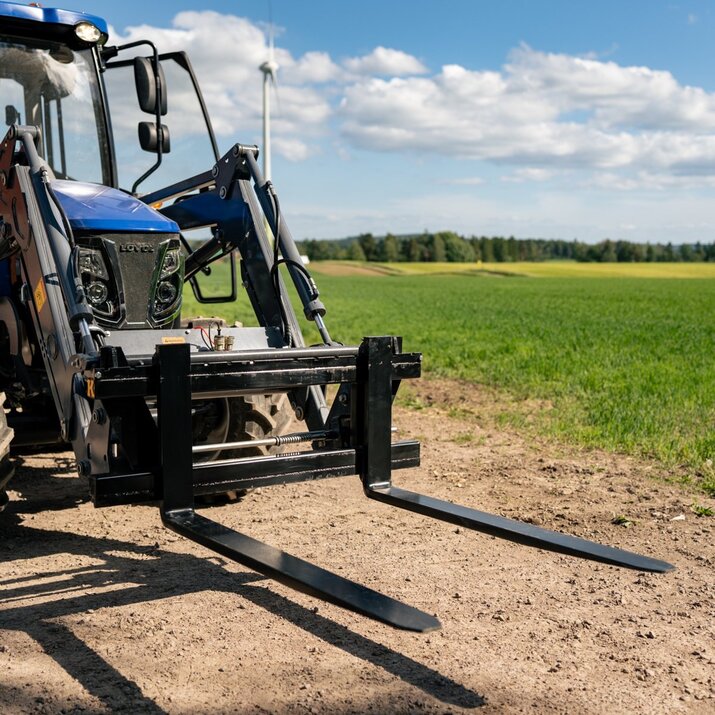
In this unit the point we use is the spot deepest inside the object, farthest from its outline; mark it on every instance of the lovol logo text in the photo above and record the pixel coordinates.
(136, 248)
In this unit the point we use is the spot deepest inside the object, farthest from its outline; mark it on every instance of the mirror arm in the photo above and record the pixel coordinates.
(159, 91)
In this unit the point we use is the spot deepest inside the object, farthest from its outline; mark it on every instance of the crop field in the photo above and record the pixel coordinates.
(617, 356)
(551, 269)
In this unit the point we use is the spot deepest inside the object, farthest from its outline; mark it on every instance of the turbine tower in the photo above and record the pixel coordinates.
(269, 69)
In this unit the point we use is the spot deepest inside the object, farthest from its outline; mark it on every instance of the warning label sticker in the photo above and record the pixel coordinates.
(40, 295)
(172, 340)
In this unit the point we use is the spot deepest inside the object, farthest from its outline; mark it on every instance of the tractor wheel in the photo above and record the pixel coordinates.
(257, 417)
(239, 419)
(6, 467)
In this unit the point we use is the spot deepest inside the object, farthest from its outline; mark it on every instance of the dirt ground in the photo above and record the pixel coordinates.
(104, 610)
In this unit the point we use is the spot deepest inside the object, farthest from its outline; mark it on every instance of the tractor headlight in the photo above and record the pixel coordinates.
(171, 263)
(166, 292)
(168, 282)
(97, 293)
(87, 32)
(99, 283)
(91, 262)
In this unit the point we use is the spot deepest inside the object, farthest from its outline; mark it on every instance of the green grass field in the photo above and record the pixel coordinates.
(626, 363)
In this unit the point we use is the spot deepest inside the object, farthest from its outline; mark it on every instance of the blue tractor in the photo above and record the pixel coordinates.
(94, 353)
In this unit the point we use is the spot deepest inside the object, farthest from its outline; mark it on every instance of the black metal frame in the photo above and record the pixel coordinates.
(129, 457)
(117, 382)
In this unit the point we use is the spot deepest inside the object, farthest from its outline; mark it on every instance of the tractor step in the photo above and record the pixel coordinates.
(296, 573)
(512, 530)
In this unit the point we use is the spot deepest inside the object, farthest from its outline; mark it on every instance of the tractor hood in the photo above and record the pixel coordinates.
(91, 207)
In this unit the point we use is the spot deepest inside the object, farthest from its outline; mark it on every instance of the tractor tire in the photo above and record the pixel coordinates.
(257, 417)
(6, 466)
(243, 418)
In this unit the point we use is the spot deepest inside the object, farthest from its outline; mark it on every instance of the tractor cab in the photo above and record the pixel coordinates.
(49, 78)
(100, 110)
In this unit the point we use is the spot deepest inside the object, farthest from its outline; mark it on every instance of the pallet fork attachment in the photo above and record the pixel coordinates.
(178, 514)
(373, 398)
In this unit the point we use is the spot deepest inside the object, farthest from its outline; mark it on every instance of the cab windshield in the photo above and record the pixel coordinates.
(54, 87)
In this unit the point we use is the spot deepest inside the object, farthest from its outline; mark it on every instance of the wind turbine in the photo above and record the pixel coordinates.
(269, 69)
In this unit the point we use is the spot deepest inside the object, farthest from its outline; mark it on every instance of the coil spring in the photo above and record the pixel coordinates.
(290, 439)
(296, 438)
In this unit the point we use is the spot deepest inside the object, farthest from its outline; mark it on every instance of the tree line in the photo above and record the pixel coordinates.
(447, 246)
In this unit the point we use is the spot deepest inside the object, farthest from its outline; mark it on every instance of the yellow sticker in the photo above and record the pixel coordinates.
(40, 295)
(89, 384)
(173, 340)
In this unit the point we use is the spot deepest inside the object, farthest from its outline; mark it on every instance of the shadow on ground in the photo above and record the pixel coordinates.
(169, 576)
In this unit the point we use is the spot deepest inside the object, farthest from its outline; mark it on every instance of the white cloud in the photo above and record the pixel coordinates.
(540, 114)
(646, 180)
(545, 111)
(312, 67)
(226, 52)
(465, 181)
(528, 173)
(385, 61)
(636, 97)
(291, 149)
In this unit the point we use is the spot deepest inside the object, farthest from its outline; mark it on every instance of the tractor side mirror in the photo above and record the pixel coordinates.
(149, 137)
(145, 81)
(12, 116)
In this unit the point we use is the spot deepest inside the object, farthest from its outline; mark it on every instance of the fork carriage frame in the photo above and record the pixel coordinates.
(131, 455)
(356, 438)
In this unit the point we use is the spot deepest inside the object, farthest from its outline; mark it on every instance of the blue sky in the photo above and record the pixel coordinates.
(554, 119)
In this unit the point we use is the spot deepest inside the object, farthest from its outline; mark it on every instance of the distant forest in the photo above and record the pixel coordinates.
(451, 247)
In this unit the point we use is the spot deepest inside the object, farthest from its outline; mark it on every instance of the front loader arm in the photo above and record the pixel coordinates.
(234, 198)
(33, 220)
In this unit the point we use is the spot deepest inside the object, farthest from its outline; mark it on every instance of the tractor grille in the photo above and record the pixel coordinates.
(131, 269)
